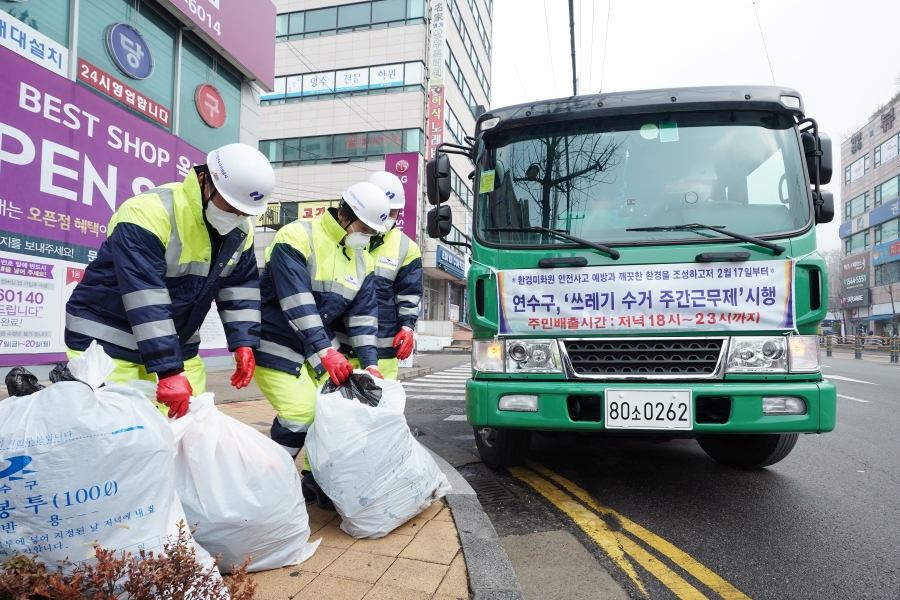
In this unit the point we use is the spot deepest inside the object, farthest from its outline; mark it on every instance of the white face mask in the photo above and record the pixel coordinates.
(390, 222)
(222, 221)
(357, 240)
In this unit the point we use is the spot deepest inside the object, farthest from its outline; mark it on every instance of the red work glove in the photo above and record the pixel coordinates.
(403, 341)
(175, 392)
(337, 365)
(373, 371)
(246, 363)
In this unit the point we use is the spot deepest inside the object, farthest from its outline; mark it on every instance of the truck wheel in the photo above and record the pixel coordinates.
(753, 451)
(502, 447)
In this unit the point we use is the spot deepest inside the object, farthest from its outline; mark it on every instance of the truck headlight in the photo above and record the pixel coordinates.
(757, 354)
(804, 353)
(532, 356)
(487, 356)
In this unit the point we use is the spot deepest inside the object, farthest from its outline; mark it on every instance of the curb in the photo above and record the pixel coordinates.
(414, 372)
(491, 575)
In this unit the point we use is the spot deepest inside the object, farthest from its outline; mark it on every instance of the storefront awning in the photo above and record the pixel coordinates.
(877, 318)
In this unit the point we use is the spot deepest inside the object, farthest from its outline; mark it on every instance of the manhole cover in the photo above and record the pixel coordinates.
(490, 491)
(441, 410)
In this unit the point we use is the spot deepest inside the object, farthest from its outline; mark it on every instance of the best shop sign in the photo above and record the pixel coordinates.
(69, 158)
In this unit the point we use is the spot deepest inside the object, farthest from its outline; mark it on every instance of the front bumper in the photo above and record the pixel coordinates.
(482, 397)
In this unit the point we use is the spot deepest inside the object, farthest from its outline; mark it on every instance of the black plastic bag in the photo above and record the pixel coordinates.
(61, 373)
(359, 386)
(21, 382)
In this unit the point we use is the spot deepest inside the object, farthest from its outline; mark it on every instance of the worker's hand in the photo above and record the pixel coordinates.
(373, 371)
(403, 342)
(337, 365)
(246, 363)
(175, 392)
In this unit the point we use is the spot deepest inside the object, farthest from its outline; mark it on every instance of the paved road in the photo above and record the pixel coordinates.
(668, 522)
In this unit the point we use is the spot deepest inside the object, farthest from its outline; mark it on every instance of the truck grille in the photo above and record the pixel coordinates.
(680, 358)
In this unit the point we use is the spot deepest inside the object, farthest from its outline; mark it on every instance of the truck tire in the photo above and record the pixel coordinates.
(753, 451)
(502, 447)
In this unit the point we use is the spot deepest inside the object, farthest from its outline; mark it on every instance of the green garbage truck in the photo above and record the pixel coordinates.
(644, 264)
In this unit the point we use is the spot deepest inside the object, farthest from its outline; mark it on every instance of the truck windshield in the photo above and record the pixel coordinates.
(739, 171)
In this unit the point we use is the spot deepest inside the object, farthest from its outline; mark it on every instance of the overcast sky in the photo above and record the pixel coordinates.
(842, 56)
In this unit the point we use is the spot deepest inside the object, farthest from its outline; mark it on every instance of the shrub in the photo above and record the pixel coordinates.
(173, 574)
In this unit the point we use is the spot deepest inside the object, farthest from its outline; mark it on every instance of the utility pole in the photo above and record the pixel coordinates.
(572, 36)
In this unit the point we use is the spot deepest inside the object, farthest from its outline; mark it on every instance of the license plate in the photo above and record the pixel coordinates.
(648, 409)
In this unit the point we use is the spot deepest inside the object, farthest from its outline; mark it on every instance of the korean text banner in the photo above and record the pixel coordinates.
(69, 158)
(697, 298)
(245, 30)
(405, 166)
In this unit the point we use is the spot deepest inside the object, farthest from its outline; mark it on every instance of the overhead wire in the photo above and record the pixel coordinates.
(550, 49)
(771, 72)
(605, 43)
(591, 58)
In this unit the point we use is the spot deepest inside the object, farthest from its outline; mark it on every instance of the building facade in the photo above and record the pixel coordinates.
(870, 228)
(101, 100)
(357, 82)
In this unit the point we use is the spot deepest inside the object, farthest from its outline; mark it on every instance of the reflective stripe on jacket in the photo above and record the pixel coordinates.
(312, 289)
(148, 291)
(398, 285)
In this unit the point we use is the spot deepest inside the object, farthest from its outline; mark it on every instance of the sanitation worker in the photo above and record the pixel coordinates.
(318, 278)
(169, 253)
(398, 281)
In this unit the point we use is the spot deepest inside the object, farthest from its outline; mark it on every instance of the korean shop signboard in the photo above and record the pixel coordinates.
(694, 298)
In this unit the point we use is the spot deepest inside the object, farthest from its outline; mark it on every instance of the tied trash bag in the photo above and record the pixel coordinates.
(359, 386)
(21, 382)
(369, 464)
(82, 466)
(242, 488)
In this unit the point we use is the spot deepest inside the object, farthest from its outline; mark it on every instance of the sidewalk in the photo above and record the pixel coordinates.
(420, 560)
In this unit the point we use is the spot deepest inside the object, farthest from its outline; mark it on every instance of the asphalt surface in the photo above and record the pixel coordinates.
(823, 523)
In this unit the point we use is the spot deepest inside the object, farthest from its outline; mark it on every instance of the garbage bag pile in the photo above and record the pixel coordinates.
(83, 465)
(367, 461)
(242, 488)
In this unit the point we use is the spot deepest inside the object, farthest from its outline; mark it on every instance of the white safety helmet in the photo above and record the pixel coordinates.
(392, 187)
(369, 204)
(243, 176)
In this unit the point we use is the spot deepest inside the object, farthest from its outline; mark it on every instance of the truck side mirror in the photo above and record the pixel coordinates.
(437, 179)
(439, 221)
(824, 211)
(825, 160)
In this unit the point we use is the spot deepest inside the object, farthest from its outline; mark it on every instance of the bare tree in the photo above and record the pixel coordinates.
(833, 268)
(563, 168)
(889, 274)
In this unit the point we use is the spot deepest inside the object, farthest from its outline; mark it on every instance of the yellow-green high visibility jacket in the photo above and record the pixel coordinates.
(313, 287)
(154, 279)
(398, 285)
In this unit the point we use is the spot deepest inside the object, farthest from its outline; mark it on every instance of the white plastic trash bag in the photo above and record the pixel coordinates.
(81, 467)
(367, 461)
(242, 488)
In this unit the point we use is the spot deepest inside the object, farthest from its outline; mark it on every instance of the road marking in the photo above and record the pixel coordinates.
(456, 418)
(625, 544)
(851, 398)
(840, 378)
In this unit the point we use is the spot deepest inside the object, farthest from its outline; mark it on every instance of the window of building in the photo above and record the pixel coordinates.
(887, 190)
(50, 17)
(461, 189)
(461, 83)
(856, 243)
(847, 175)
(327, 85)
(857, 169)
(95, 16)
(345, 147)
(432, 298)
(886, 151)
(856, 206)
(349, 17)
(199, 67)
(454, 126)
(888, 273)
(479, 25)
(866, 163)
(457, 19)
(887, 231)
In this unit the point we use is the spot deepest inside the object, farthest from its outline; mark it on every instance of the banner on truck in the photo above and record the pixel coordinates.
(696, 298)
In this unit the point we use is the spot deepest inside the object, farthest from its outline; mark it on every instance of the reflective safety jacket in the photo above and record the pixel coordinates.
(313, 288)
(398, 285)
(154, 279)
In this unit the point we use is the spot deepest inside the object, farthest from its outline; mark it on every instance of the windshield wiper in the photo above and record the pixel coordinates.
(613, 254)
(718, 229)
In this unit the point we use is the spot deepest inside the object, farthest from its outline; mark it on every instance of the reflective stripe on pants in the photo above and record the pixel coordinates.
(125, 371)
